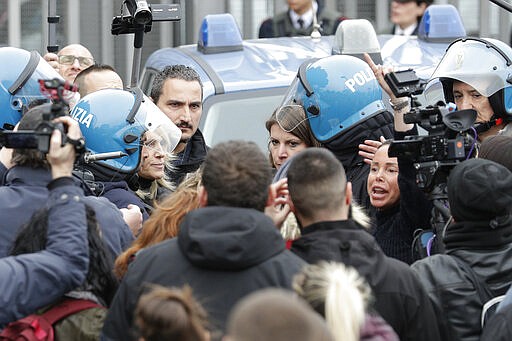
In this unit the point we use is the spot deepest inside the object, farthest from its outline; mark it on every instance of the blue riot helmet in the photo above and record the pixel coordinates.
(337, 93)
(19, 84)
(114, 120)
(484, 64)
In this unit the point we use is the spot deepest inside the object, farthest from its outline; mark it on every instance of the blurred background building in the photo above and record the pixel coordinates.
(23, 23)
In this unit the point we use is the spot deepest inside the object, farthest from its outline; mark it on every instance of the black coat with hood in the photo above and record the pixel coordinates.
(399, 296)
(223, 253)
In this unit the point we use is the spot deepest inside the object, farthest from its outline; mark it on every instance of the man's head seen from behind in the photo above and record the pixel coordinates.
(318, 186)
(236, 174)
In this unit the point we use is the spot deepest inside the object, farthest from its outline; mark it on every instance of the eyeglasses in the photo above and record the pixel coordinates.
(69, 60)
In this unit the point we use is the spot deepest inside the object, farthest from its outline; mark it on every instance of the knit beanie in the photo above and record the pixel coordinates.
(497, 148)
(480, 190)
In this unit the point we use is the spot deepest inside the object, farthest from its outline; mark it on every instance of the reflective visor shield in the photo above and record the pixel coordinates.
(154, 120)
(22, 97)
(476, 62)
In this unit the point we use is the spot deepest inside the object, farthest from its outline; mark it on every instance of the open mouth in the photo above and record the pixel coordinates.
(378, 192)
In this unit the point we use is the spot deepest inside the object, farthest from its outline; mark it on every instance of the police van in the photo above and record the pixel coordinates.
(244, 80)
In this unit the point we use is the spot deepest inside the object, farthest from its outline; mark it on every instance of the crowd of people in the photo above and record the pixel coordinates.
(114, 205)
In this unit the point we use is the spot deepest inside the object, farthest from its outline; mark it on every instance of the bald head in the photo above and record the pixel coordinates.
(69, 67)
(97, 77)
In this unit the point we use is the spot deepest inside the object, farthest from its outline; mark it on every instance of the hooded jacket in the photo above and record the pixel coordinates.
(223, 253)
(399, 297)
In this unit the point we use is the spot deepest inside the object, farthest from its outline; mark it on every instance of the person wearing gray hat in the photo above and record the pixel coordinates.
(478, 246)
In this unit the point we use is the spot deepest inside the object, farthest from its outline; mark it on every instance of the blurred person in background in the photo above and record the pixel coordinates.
(406, 15)
(297, 20)
(70, 60)
(170, 314)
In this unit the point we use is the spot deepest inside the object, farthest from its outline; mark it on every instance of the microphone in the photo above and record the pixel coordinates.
(90, 158)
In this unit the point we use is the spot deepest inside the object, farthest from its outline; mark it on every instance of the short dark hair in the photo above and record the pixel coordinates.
(316, 181)
(30, 121)
(179, 71)
(237, 174)
(80, 77)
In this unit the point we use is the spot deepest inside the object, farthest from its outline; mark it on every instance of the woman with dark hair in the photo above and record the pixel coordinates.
(400, 205)
(289, 134)
(100, 284)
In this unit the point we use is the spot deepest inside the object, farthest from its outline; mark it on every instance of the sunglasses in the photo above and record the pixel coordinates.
(69, 60)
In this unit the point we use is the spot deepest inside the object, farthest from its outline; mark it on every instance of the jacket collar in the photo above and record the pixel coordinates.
(195, 150)
(28, 176)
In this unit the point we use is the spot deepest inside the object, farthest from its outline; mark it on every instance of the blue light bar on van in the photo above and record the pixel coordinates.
(441, 24)
(219, 33)
(357, 36)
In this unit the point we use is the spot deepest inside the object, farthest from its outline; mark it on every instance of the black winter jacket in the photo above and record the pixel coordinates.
(395, 226)
(450, 289)
(223, 253)
(190, 159)
(399, 297)
(346, 146)
(499, 328)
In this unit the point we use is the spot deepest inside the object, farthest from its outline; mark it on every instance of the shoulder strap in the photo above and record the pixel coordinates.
(488, 299)
(66, 308)
(481, 287)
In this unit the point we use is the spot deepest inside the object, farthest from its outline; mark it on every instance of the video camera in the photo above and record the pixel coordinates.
(448, 140)
(142, 13)
(39, 138)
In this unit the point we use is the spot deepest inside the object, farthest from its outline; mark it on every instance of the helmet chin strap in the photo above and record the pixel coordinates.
(484, 126)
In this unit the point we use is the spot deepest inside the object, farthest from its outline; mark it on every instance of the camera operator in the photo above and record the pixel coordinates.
(25, 191)
(32, 281)
(478, 246)
(401, 206)
(473, 74)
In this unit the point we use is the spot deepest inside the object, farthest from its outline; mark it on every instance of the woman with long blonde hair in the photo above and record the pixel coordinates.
(343, 297)
(165, 220)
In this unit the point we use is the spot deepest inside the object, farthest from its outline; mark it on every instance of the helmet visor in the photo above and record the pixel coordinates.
(475, 62)
(290, 116)
(31, 90)
(154, 120)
